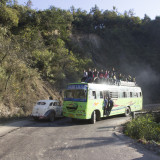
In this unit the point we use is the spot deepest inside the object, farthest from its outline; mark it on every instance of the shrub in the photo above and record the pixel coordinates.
(143, 127)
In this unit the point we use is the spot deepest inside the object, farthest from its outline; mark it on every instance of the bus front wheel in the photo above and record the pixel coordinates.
(93, 118)
(127, 111)
(73, 119)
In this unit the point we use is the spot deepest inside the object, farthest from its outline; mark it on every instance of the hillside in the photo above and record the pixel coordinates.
(42, 51)
(106, 54)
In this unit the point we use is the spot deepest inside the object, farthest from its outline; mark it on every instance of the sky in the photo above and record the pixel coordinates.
(140, 7)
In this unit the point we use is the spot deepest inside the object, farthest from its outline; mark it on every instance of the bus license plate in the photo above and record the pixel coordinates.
(71, 115)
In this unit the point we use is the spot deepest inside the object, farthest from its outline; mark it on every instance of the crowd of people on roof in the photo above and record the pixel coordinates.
(107, 76)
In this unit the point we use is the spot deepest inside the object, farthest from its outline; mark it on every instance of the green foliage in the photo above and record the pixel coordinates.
(8, 16)
(143, 127)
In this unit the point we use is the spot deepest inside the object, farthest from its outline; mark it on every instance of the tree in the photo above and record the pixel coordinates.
(3, 2)
(29, 4)
(146, 19)
(8, 16)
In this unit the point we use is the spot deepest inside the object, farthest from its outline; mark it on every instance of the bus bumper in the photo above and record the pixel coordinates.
(76, 115)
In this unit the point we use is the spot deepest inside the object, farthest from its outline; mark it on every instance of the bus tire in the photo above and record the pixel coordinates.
(73, 119)
(98, 116)
(52, 117)
(127, 112)
(93, 118)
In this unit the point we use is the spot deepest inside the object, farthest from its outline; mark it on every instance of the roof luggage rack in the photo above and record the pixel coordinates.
(129, 84)
(121, 83)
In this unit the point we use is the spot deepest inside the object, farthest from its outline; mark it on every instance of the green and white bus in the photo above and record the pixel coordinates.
(86, 100)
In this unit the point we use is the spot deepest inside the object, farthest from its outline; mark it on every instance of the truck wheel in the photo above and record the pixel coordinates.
(93, 118)
(127, 112)
(52, 117)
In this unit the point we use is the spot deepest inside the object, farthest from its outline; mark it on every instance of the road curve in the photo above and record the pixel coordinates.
(65, 140)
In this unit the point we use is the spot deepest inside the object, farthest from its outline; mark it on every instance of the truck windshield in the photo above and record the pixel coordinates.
(75, 95)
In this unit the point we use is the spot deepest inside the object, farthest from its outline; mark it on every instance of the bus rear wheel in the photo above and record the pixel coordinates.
(127, 111)
(93, 118)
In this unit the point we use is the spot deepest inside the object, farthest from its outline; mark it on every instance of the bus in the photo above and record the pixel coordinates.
(86, 100)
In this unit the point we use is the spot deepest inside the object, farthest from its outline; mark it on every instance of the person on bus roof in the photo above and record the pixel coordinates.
(95, 73)
(85, 75)
(119, 78)
(106, 75)
(129, 78)
(90, 76)
(134, 79)
(114, 79)
(101, 74)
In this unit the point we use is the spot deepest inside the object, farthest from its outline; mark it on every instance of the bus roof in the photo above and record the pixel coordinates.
(102, 87)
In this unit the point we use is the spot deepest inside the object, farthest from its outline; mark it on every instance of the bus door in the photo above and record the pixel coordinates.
(106, 94)
(105, 104)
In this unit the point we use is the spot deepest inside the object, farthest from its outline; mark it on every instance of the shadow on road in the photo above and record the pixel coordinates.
(92, 142)
(121, 143)
(59, 122)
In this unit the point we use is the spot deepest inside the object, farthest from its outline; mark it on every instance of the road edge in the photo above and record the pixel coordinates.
(12, 126)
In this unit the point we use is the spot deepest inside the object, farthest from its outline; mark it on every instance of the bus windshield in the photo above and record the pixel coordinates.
(79, 95)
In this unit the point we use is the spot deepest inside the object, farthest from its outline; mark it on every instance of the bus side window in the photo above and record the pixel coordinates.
(97, 94)
(137, 95)
(110, 94)
(140, 93)
(131, 94)
(124, 94)
(101, 95)
(134, 94)
(94, 94)
(114, 94)
(106, 93)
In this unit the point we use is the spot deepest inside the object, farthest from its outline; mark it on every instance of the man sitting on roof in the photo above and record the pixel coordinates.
(101, 75)
(90, 76)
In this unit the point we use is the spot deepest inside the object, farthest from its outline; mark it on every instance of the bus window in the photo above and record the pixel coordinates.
(114, 94)
(106, 93)
(101, 95)
(75, 95)
(134, 94)
(97, 94)
(137, 95)
(124, 94)
(140, 94)
(94, 94)
(131, 94)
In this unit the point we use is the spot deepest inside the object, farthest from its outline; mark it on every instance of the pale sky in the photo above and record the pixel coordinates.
(140, 7)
